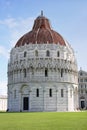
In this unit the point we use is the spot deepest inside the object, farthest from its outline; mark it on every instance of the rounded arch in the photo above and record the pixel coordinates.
(23, 88)
(48, 53)
(31, 65)
(39, 65)
(36, 53)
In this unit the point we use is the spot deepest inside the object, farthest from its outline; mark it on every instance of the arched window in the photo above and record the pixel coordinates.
(25, 73)
(47, 53)
(25, 54)
(37, 92)
(36, 53)
(62, 93)
(61, 72)
(58, 54)
(46, 72)
(14, 93)
(50, 92)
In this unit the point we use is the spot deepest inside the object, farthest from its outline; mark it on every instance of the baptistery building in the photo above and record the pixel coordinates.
(42, 71)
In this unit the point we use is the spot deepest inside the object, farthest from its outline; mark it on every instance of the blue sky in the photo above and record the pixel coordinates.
(68, 17)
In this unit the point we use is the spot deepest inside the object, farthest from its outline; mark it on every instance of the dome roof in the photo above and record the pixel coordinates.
(41, 33)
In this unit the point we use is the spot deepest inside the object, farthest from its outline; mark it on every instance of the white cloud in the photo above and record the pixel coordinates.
(17, 27)
(3, 51)
(9, 22)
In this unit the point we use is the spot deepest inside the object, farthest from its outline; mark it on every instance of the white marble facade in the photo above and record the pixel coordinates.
(42, 77)
(55, 77)
(82, 88)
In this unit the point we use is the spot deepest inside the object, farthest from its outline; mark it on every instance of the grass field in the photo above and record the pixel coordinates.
(43, 121)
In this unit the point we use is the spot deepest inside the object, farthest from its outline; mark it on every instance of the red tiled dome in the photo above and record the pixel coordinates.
(41, 33)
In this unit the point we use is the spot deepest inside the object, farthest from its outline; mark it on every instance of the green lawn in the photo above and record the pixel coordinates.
(43, 121)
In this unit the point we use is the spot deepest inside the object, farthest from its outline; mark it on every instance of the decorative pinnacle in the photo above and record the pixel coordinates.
(41, 12)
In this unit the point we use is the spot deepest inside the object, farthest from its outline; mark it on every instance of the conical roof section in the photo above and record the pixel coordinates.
(41, 33)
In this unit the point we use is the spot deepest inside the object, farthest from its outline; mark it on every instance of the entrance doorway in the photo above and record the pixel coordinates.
(26, 103)
(82, 104)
